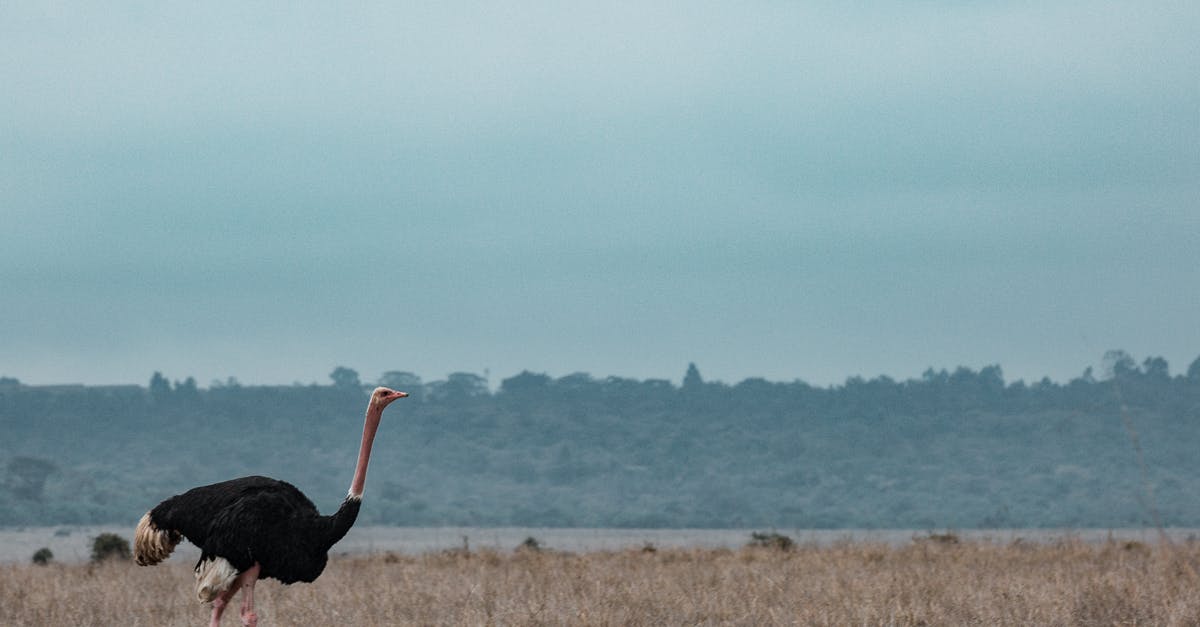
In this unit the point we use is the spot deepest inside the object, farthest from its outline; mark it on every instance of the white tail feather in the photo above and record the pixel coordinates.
(213, 576)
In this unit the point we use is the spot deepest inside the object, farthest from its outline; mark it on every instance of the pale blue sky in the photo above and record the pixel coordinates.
(766, 189)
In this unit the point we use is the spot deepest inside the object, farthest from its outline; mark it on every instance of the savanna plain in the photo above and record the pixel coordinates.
(938, 580)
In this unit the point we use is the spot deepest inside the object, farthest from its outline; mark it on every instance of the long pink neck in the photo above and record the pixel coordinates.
(370, 426)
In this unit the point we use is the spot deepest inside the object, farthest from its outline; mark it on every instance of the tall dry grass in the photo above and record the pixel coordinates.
(924, 583)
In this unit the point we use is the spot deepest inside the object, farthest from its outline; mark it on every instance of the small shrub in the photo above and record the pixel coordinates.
(771, 540)
(530, 544)
(43, 556)
(109, 545)
(941, 538)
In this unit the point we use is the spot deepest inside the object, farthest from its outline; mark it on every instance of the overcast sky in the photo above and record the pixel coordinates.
(792, 191)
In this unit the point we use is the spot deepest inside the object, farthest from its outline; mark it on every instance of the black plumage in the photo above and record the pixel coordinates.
(255, 527)
(257, 519)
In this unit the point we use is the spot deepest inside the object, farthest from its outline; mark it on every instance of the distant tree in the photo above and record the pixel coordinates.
(692, 380)
(9, 382)
(160, 387)
(399, 380)
(187, 389)
(992, 378)
(344, 377)
(962, 376)
(934, 376)
(1193, 371)
(525, 382)
(1119, 364)
(465, 384)
(27, 476)
(1156, 368)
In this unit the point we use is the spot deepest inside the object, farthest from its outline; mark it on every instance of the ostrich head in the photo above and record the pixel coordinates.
(382, 397)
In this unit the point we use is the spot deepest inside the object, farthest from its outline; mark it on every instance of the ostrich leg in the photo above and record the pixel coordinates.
(219, 603)
(247, 580)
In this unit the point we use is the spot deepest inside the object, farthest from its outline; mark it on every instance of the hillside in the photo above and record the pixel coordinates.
(958, 449)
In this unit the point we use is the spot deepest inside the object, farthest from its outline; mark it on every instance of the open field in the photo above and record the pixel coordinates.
(924, 582)
(73, 543)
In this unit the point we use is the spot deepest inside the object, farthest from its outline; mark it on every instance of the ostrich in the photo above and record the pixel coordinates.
(254, 527)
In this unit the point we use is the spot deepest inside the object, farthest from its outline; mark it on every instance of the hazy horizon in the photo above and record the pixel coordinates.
(494, 379)
(791, 192)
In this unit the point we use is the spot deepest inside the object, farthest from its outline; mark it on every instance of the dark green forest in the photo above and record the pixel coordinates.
(959, 449)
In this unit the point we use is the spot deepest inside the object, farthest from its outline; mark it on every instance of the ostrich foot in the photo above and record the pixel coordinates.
(249, 619)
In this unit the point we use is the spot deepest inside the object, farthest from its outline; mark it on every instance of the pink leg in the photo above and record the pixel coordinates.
(246, 580)
(221, 601)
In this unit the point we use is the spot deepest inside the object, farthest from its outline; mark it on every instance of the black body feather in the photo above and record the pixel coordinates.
(257, 519)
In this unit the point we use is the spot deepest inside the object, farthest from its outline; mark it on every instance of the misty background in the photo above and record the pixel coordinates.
(898, 242)
(789, 191)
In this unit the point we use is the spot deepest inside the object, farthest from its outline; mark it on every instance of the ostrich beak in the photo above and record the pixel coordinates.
(401, 394)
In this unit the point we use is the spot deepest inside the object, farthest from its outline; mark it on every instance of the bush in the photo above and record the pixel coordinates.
(43, 556)
(939, 538)
(530, 544)
(771, 540)
(109, 545)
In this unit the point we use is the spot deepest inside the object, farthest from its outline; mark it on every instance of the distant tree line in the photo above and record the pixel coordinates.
(952, 448)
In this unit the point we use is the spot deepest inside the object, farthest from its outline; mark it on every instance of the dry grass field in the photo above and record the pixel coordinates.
(927, 582)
